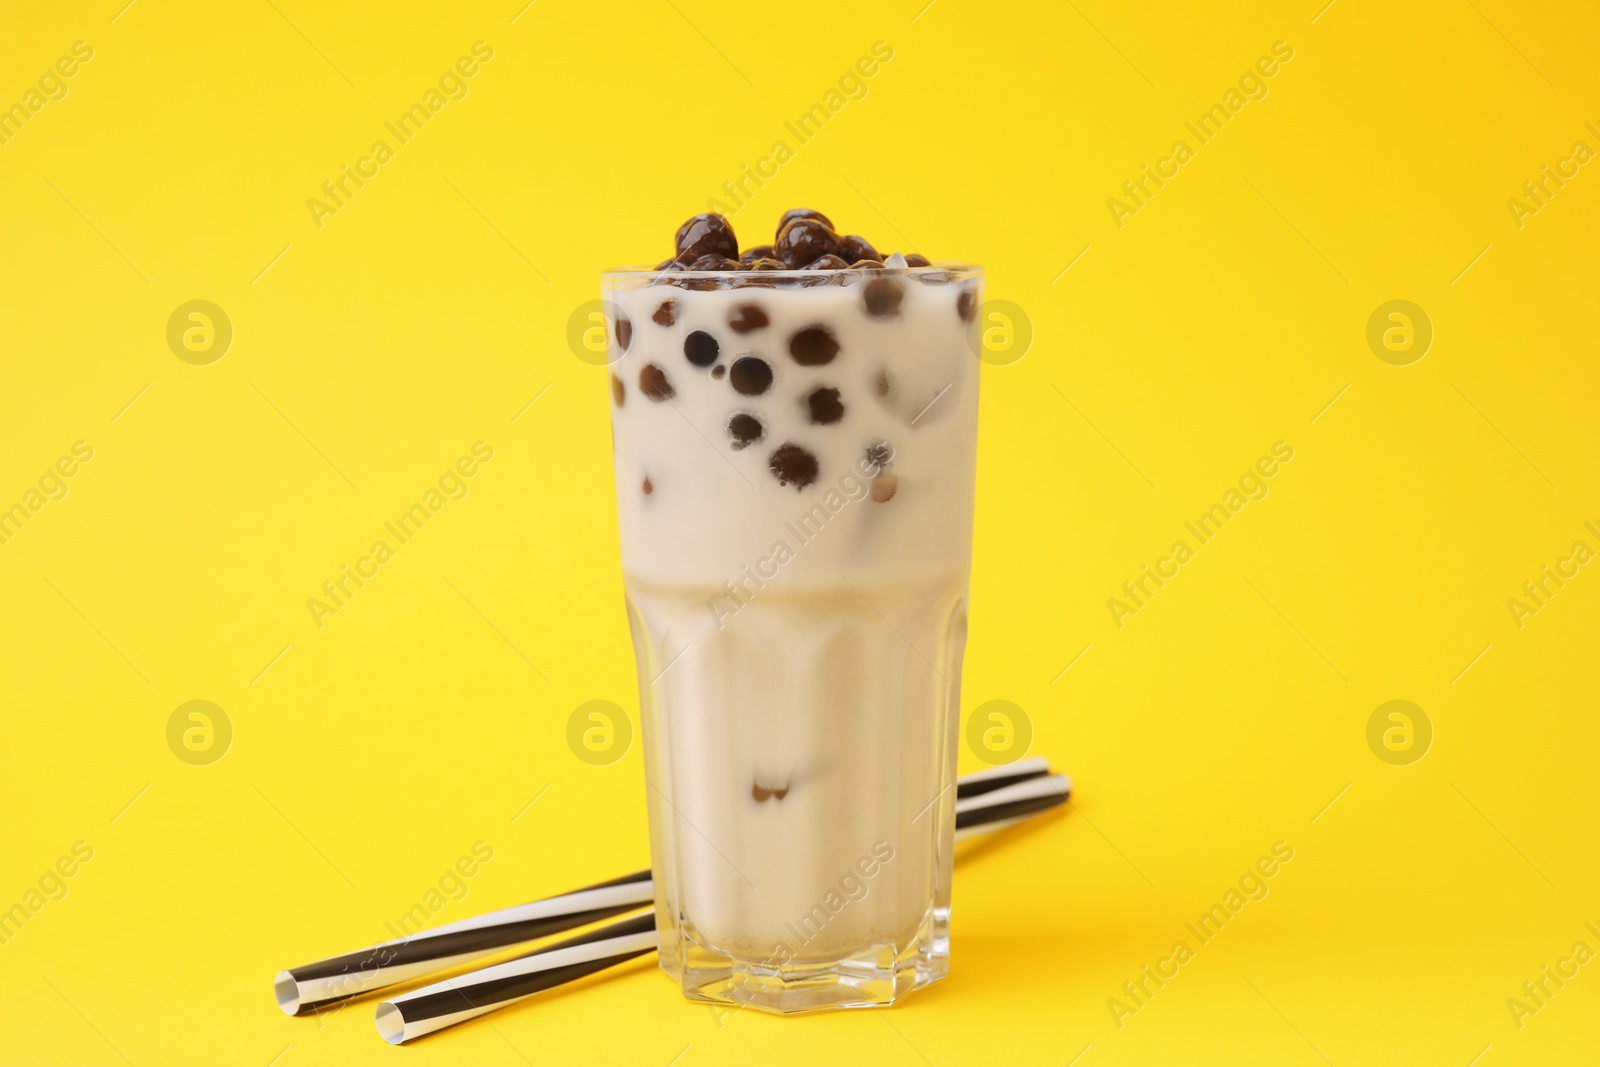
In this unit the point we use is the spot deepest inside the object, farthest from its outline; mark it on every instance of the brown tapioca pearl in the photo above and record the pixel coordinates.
(884, 486)
(619, 392)
(705, 234)
(882, 383)
(804, 240)
(666, 314)
(966, 304)
(715, 262)
(767, 263)
(702, 285)
(648, 487)
(855, 248)
(793, 465)
(880, 454)
(915, 260)
(701, 349)
(747, 317)
(803, 213)
(751, 376)
(718, 371)
(869, 264)
(813, 346)
(882, 297)
(755, 252)
(624, 332)
(653, 383)
(828, 263)
(745, 430)
(825, 406)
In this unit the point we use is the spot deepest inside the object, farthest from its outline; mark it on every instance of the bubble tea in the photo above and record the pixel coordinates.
(795, 432)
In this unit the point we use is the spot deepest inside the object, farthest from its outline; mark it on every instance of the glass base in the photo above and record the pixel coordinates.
(875, 977)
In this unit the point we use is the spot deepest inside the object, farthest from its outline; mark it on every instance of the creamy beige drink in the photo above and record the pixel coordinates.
(794, 462)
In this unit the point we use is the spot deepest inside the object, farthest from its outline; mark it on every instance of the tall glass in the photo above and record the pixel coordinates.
(794, 464)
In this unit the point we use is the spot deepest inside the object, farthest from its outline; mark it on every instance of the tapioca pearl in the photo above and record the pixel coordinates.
(705, 234)
(718, 371)
(879, 455)
(715, 262)
(882, 297)
(966, 304)
(701, 349)
(748, 317)
(755, 252)
(854, 248)
(619, 392)
(624, 332)
(915, 260)
(828, 263)
(666, 314)
(803, 213)
(884, 487)
(803, 240)
(767, 263)
(813, 346)
(648, 486)
(745, 429)
(825, 406)
(653, 383)
(762, 793)
(862, 269)
(882, 385)
(793, 465)
(750, 375)
(701, 285)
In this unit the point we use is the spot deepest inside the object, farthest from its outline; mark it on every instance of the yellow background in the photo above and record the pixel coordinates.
(1226, 315)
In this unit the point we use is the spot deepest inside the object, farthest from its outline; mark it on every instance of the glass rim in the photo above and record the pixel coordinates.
(936, 267)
